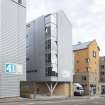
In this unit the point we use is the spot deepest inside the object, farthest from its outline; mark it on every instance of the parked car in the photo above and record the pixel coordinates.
(78, 89)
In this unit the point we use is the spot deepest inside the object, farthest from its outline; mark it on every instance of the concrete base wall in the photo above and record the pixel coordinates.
(62, 89)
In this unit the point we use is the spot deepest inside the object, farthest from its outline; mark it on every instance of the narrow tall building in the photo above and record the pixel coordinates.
(49, 53)
(12, 46)
(86, 61)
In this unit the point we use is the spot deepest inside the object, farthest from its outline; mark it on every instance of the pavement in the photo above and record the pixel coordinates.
(69, 101)
(46, 98)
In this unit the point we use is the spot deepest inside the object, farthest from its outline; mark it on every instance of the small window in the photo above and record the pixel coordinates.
(20, 1)
(87, 60)
(56, 42)
(27, 59)
(102, 73)
(48, 30)
(84, 78)
(77, 70)
(56, 55)
(101, 79)
(32, 71)
(27, 36)
(77, 61)
(28, 25)
(48, 44)
(87, 68)
(103, 59)
(102, 66)
(94, 53)
(48, 58)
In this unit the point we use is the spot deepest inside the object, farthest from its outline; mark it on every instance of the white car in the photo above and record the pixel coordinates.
(78, 89)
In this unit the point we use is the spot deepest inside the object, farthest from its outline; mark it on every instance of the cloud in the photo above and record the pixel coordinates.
(35, 8)
(87, 17)
(99, 6)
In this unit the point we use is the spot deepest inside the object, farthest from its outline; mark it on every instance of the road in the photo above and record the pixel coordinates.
(93, 101)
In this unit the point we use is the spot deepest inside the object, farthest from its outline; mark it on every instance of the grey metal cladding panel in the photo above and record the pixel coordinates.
(37, 50)
(22, 40)
(10, 85)
(65, 67)
(0, 33)
(0, 17)
(0, 45)
(12, 46)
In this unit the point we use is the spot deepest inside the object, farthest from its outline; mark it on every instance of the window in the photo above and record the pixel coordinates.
(103, 59)
(101, 79)
(28, 25)
(48, 44)
(102, 66)
(77, 70)
(48, 58)
(87, 68)
(32, 71)
(77, 61)
(20, 1)
(87, 60)
(102, 73)
(84, 78)
(56, 55)
(94, 53)
(27, 59)
(49, 72)
(48, 30)
(56, 42)
(27, 36)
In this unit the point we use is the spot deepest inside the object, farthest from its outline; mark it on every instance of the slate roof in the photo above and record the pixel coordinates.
(81, 45)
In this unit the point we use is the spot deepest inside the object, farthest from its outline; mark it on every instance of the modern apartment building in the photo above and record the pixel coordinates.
(102, 69)
(49, 53)
(102, 74)
(86, 66)
(12, 46)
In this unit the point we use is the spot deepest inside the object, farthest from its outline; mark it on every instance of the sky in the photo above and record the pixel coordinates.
(87, 17)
